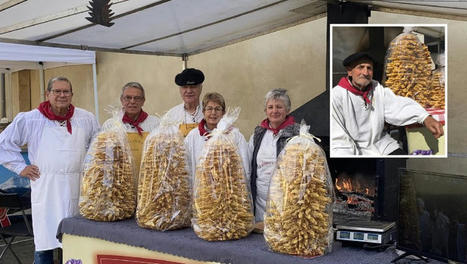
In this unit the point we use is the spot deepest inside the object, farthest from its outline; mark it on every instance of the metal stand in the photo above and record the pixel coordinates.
(406, 254)
(379, 248)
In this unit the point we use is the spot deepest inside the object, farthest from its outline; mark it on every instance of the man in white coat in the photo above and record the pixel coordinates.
(361, 106)
(134, 118)
(137, 123)
(57, 135)
(189, 112)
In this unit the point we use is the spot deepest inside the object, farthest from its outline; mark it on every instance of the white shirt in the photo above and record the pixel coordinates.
(266, 163)
(59, 156)
(357, 129)
(179, 113)
(27, 128)
(194, 144)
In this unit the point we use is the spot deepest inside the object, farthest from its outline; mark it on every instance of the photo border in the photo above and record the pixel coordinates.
(332, 26)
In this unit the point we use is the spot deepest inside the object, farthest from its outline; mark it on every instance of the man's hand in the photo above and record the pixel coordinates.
(434, 126)
(31, 172)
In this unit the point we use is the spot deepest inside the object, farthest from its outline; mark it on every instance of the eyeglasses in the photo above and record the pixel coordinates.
(64, 92)
(210, 109)
(135, 98)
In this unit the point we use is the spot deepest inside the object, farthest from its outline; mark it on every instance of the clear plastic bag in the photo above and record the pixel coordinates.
(107, 190)
(408, 68)
(438, 88)
(222, 207)
(298, 218)
(164, 193)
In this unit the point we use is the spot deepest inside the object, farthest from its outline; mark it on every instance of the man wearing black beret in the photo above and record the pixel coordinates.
(361, 106)
(190, 82)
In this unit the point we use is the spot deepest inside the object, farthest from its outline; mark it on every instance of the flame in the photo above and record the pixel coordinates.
(352, 200)
(344, 184)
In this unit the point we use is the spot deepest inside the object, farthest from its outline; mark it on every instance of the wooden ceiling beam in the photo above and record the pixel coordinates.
(203, 26)
(41, 20)
(10, 3)
(113, 18)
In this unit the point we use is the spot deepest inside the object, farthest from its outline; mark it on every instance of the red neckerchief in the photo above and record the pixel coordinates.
(344, 83)
(46, 109)
(4, 219)
(142, 116)
(202, 130)
(287, 122)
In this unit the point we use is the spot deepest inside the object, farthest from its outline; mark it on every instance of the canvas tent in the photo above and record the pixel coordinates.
(15, 57)
(173, 27)
(167, 27)
(178, 27)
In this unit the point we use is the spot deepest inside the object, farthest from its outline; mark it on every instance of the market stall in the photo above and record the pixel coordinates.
(88, 240)
(411, 61)
(15, 57)
(81, 237)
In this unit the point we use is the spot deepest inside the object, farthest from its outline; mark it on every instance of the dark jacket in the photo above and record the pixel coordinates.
(258, 135)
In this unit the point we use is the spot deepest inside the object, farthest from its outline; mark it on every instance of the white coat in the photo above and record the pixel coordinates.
(59, 156)
(357, 129)
(194, 144)
(179, 113)
(266, 162)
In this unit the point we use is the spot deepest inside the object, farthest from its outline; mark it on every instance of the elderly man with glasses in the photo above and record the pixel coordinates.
(133, 117)
(57, 135)
(137, 123)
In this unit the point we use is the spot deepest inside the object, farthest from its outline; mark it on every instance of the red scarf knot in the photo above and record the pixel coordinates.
(289, 120)
(141, 117)
(46, 109)
(344, 83)
(202, 130)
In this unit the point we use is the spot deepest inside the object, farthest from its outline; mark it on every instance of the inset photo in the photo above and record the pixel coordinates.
(388, 90)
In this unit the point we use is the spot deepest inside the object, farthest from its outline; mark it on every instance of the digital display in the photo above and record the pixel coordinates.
(344, 234)
(372, 237)
(358, 236)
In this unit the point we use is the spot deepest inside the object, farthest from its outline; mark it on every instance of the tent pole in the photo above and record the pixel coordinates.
(41, 81)
(9, 109)
(96, 99)
(185, 61)
(3, 88)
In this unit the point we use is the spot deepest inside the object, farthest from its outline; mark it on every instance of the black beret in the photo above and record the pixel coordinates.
(189, 76)
(357, 56)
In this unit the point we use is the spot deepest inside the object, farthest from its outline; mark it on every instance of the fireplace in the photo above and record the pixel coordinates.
(366, 187)
(355, 194)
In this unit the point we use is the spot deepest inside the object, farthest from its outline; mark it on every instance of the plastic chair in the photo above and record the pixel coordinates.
(21, 226)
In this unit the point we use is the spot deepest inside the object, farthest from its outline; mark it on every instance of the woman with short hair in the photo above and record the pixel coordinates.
(267, 141)
(213, 106)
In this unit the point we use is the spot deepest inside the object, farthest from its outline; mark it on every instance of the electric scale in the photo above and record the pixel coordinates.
(365, 231)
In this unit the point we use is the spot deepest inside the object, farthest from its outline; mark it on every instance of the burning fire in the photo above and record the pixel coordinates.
(344, 184)
(352, 200)
(355, 195)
